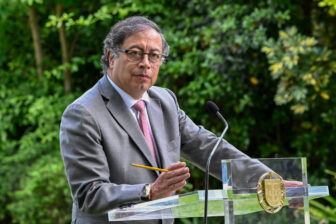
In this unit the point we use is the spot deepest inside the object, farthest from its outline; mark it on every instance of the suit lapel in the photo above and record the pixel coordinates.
(123, 116)
(156, 120)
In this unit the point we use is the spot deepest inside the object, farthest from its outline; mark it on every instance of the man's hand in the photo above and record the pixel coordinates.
(295, 202)
(288, 183)
(167, 183)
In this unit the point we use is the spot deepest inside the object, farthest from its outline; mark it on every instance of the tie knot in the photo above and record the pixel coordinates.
(139, 106)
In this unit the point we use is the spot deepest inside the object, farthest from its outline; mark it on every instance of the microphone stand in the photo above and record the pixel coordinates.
(208, 166)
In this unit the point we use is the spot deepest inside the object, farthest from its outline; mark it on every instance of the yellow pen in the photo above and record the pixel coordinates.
(149, 167)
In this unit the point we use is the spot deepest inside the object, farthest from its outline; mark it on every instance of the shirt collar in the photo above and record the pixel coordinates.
(129, 100)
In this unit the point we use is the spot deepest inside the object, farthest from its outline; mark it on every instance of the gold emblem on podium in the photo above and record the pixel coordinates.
(271, 192)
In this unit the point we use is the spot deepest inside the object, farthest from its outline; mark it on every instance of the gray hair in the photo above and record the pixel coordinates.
(125, 28)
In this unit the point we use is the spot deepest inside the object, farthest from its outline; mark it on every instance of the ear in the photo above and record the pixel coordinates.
(110, 58)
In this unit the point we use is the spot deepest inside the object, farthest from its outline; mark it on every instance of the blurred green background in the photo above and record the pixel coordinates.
(270, 65)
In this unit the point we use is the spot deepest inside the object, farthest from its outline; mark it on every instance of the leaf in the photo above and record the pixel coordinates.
(276, 68)
(324, 95)
(292, 31)
(299, 93)
(283, 35)
(310, 41)
(299, 108)
(269, 51)
(254, 80)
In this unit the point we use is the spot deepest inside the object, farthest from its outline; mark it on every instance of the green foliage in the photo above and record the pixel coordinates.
(271, 73)
(302, 68)
(329, 3)
(325, 211)
(32, 171)
(105, 12)
(210, 51)
(44, 187)
(31, 2)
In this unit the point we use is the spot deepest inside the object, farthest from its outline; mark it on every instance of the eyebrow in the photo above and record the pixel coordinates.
(140, 48)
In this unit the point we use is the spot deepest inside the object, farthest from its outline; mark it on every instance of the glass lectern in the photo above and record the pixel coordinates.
(254, 191)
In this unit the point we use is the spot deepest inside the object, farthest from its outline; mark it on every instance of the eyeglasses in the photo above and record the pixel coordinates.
(137, 56)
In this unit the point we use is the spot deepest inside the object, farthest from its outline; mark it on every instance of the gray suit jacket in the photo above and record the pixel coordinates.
(100, 139)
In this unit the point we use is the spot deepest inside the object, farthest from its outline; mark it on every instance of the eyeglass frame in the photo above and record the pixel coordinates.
(162, 60)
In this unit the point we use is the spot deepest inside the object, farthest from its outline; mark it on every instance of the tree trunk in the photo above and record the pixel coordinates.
(65, 52)
(36, 39)
(307, 10)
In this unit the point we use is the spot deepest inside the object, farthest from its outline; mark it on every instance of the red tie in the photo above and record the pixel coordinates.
(140, 106)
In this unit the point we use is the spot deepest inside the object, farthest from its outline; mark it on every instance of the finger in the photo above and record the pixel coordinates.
(161, 189)
(176, 165)
(176, 186)
(166, 179)
(178, 179)
(178, 172)
(293, 183)
(171, 178)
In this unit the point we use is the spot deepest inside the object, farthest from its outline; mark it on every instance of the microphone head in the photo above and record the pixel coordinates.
(212, 107)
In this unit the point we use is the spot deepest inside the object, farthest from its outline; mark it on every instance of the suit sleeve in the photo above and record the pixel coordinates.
(197, 144)
(86, 165)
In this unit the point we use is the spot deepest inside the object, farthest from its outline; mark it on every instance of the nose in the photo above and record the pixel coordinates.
(144, 62)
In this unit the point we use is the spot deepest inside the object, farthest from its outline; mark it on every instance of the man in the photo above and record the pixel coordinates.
(124, 119)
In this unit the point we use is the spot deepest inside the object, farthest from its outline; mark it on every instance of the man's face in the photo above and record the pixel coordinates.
(136, 77)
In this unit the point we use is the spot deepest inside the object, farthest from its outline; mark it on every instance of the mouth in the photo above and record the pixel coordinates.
(142, 76)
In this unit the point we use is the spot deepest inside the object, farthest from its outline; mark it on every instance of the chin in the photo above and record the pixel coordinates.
(145, 86)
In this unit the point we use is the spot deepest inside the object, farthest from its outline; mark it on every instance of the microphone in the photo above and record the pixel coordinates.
(213, 108)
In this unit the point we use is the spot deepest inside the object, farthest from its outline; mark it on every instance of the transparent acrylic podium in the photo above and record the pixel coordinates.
(242, 199)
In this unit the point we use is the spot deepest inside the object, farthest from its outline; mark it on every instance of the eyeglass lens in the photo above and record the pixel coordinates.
(139, 55)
